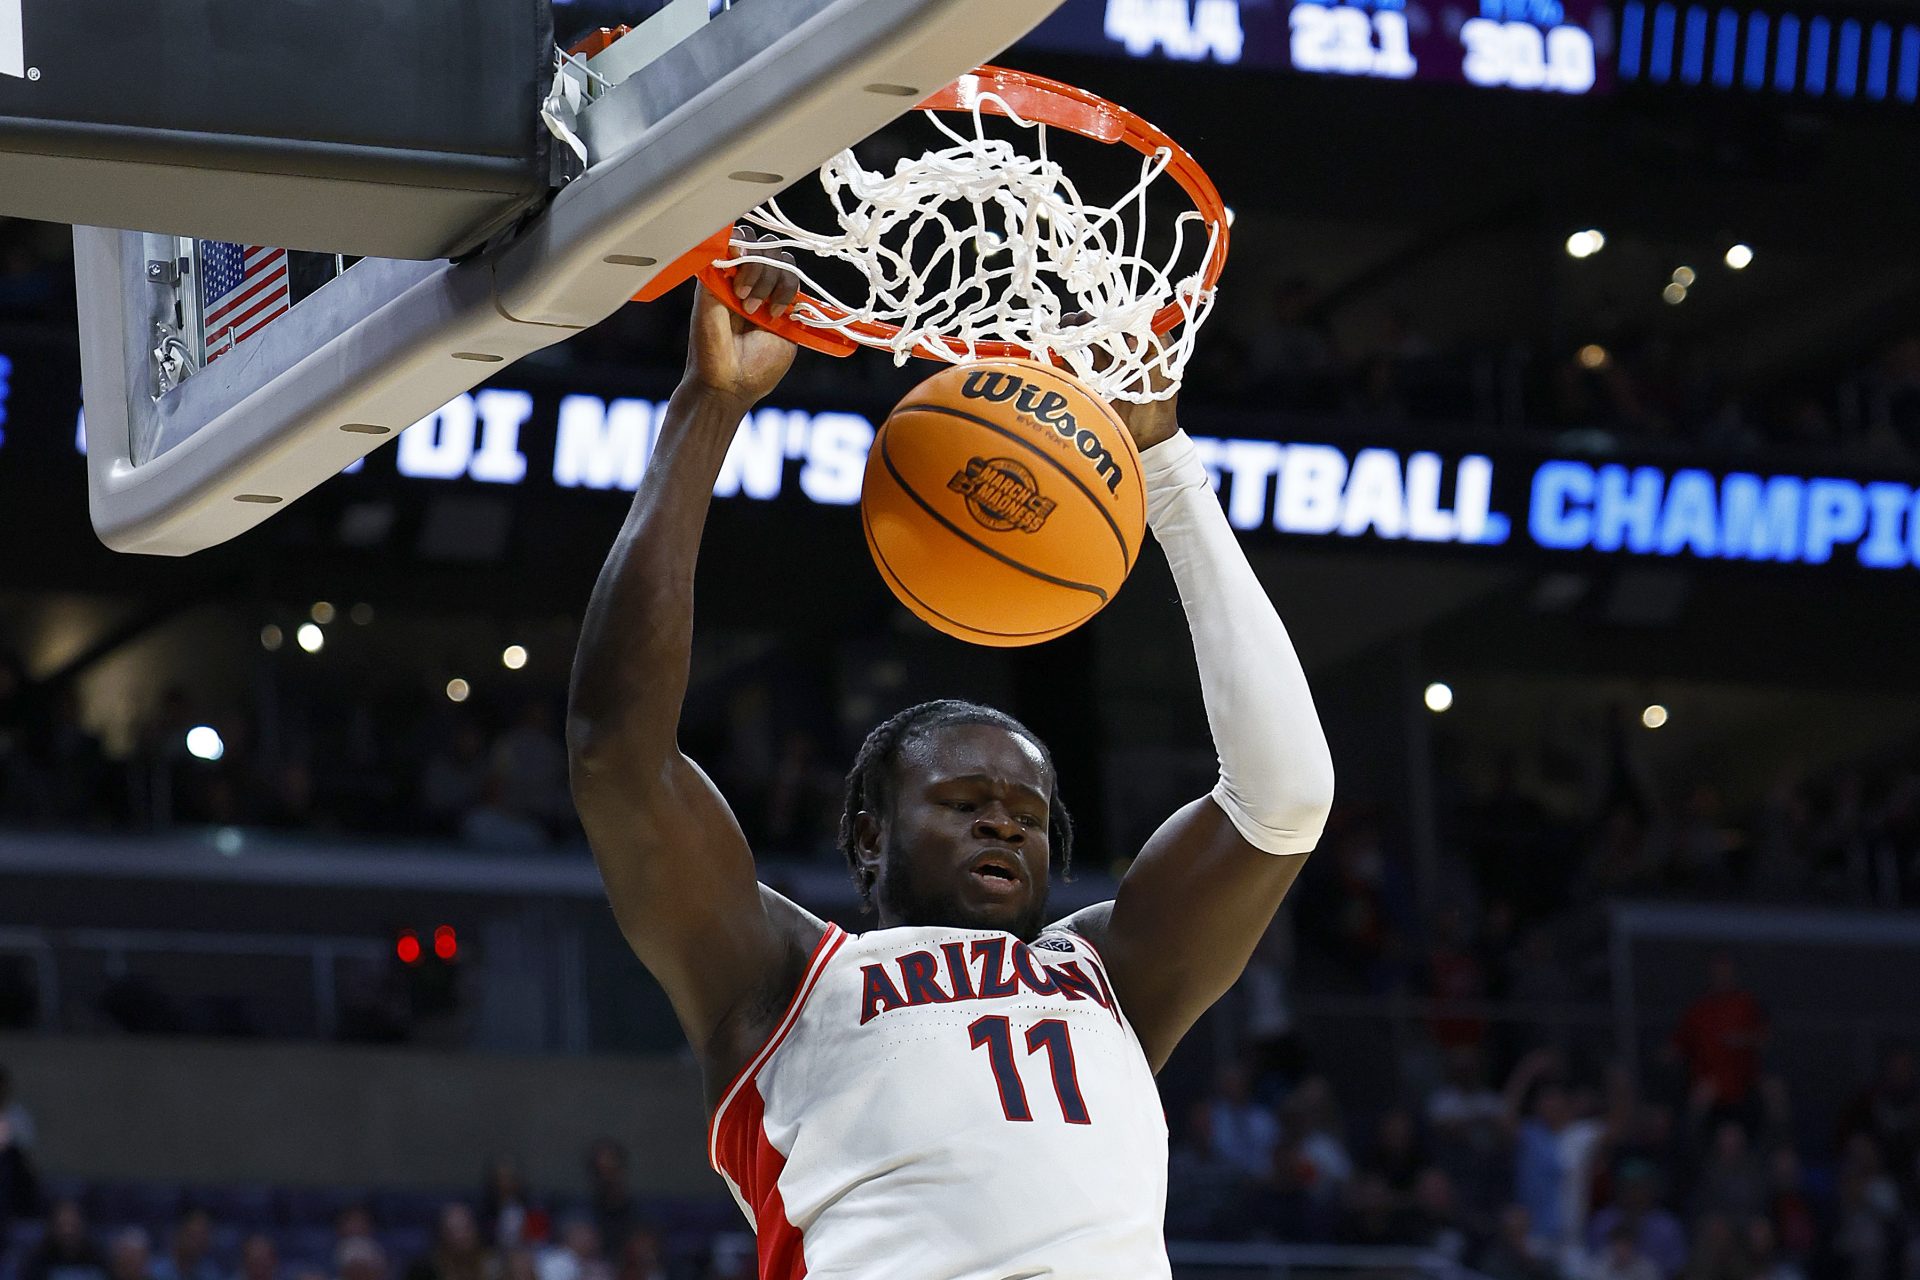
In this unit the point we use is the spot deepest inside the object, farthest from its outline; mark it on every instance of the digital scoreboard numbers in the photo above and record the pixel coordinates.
(1543, 46)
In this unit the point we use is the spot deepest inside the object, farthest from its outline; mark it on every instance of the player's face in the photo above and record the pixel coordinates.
(967, 841)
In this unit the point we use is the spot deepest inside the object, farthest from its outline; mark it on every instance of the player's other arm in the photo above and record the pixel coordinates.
(1195, 902)
(677, 868)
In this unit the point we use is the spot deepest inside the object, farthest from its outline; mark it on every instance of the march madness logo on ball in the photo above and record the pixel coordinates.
(1002, 495)
(1049, 409)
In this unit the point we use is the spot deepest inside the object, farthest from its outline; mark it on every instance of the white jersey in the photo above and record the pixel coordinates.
(949, 1104)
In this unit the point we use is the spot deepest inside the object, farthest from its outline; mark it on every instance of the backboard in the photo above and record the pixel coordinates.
(196, 432)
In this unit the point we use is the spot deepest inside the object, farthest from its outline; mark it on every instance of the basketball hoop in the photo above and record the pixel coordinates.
(1068, 281)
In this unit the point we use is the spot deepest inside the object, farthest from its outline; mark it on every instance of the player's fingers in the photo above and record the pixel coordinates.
(746, 278)
(764, 284)
(786, 287)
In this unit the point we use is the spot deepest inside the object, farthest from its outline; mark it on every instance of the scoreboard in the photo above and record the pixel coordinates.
(1833, 51)
(1539, 46)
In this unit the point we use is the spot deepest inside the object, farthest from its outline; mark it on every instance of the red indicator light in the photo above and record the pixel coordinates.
(407, 948)
(445, 944)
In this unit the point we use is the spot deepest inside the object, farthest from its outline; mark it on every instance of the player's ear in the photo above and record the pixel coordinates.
(866, 853)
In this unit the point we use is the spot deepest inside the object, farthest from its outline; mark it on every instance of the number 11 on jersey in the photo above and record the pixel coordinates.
(995, 1033)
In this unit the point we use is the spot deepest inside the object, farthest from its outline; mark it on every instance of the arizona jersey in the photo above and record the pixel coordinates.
(949, 1104)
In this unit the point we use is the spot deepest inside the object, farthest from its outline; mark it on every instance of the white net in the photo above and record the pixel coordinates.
(976, 242)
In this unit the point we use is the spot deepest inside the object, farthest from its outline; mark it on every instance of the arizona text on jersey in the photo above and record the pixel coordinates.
(949, 1104)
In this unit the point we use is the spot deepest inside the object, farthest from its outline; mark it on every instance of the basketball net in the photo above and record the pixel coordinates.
(1003, 249)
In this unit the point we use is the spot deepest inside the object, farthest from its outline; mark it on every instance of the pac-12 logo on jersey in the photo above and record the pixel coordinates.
(986, 970)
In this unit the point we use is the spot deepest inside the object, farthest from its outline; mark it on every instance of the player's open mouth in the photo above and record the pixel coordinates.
(996, 875)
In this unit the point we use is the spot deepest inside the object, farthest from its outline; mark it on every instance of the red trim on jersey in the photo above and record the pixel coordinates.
(744, 1138)
(823, 951)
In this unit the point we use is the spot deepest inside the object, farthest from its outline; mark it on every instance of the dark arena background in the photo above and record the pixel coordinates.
(1565, 391)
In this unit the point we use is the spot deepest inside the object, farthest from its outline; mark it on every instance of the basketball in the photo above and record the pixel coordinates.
(1003, 502)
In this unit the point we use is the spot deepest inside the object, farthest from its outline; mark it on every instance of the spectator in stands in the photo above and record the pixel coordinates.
(1636, 1127)
(644, 1258)
(531, 763)
(1731, 1179)
(1763, 1256)
(509, 1215)
(1719, 1038)
(1368, 1215)
(355, 1222)
(1888, 1111)
(578, 1256)
(189, 1251)
(1312, 1116)
(1789, 1209)
(732, 1258)
(1554, 1153)
(1715, 1253)
(455, 778)
(19, 1188)
(1205, 1188)
(458, 1252)
(1865, 1243)
(360, 1257)
(1455, 974)
(1435, 1219)
(1468, 1122)
(13, 1114)
(1516, 1252)
(67, 1252)
(259, 1258)
(130, 1255)
(1240, 1129)
(1656, 1235)
(614, 1210)
(1397, 1153)
(1266, 1008)
(1621, 1258)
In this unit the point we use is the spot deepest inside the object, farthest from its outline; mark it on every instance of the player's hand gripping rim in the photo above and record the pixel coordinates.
(728, 354)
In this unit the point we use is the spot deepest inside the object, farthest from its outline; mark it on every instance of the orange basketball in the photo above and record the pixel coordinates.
(1003, 502)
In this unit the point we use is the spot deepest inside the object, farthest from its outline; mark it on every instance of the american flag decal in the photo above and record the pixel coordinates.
(243, 288)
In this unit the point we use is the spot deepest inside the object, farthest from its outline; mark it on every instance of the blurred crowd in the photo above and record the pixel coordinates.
(1618, 378)
(1521, 1163)
(65, 1229)
(1616, 381)
(1688, 1167)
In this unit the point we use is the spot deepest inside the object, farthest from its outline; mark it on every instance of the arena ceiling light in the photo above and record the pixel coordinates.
(1584, 244)
(1438, 697)
(203, 743)
(513, 657)
(1740, 257)
(1654, 716)
(310, 637)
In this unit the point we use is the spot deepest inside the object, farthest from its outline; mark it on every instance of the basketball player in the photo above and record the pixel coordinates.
(965, 1092)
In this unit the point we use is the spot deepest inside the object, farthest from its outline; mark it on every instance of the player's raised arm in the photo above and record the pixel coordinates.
(1205, 887)
(676, 866)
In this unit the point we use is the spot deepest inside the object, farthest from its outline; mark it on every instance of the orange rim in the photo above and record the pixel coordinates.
(1035, 99)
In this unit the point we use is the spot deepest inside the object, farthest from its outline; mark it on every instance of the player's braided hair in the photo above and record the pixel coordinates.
(870, 782)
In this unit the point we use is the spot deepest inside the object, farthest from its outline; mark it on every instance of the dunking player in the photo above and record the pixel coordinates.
(965, 1092)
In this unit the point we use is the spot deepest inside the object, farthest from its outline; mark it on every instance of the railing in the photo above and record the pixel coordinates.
(116, 948)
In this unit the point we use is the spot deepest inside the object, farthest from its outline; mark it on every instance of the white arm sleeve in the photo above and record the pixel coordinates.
(1276, 775)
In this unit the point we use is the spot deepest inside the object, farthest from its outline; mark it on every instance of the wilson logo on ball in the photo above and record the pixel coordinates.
(1049, 409)
(1002, 495)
